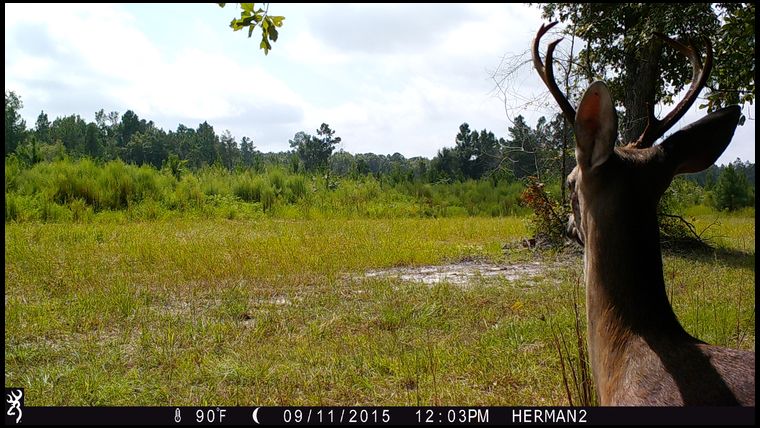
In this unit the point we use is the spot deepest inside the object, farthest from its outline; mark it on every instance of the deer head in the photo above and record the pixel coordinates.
(636, 173)
(640, 354)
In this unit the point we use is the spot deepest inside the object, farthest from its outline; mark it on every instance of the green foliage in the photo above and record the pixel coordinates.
(215, 181)
(248, 188)
(682, 194)
(296, 186)
(733, 74)
(120, 183)
(81, 212)
(71, 131)
(175, 166)
(84, 190)
(53, 152)
(268, 196)
(188, 194)
(528, 152)
(29, 151)
(612, 30)
(676, 230)
(277, 179)
(640, 69)
(251, 17)
(15, 126)
(314, 152)
(733, 190)
(549, 219)
(50, 174)
(477, 155)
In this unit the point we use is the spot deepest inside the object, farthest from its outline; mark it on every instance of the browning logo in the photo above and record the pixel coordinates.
(14, 399)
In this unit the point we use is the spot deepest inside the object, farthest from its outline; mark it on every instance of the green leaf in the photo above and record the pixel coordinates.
(265, 45)
(251, 17)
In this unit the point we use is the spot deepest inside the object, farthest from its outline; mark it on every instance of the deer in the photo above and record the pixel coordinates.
(640, 355)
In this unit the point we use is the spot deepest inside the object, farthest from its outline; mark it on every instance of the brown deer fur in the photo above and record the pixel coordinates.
(640, 354)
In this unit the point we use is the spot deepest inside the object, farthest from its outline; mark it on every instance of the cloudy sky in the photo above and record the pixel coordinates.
(388, 78)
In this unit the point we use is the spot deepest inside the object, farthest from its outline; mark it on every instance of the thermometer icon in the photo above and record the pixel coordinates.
(177, 416)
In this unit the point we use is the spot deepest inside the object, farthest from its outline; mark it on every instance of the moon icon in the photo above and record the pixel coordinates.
(255, 415)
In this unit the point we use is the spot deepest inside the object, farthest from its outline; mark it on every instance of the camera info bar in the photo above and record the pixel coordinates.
(391, 416)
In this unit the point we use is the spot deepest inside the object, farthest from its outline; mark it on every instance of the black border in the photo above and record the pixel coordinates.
(347, 416)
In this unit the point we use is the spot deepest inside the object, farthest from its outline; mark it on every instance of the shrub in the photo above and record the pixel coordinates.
(13, 207)
(247, 188)
(188, 193)
(548, 221)
(277, 181)
(268, 197)
(297, 186)
(80, 211)
(117, 185)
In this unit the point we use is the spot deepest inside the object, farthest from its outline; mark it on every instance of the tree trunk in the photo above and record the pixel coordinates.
(642, 74)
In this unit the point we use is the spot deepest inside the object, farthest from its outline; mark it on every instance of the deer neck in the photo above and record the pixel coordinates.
(625, 290)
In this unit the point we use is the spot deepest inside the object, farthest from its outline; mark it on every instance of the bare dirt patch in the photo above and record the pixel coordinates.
(462, 273)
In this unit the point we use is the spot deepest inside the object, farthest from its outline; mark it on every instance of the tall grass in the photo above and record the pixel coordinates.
(84, 190)
(574, 356)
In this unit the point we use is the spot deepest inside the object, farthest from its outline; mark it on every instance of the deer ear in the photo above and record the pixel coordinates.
(595, 126)
(697, 146)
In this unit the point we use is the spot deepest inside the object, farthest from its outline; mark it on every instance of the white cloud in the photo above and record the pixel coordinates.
(385, 29)
(408, 99)
(387, 78)
(100, 50)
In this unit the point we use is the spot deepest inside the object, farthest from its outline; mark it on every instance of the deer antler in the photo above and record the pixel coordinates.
(547, 72)
(655, 127)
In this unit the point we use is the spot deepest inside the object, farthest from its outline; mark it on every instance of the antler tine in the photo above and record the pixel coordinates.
(656, 128)
(547, 72)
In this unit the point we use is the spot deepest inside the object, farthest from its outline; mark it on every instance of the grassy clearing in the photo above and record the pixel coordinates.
(274, 312)
(713, 293)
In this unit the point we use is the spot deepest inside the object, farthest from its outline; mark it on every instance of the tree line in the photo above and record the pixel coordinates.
(475, 155)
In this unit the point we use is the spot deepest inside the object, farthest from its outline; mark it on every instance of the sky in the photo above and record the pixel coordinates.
(386, 77)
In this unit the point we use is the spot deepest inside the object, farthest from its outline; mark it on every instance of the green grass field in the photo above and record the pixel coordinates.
(278, 312)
